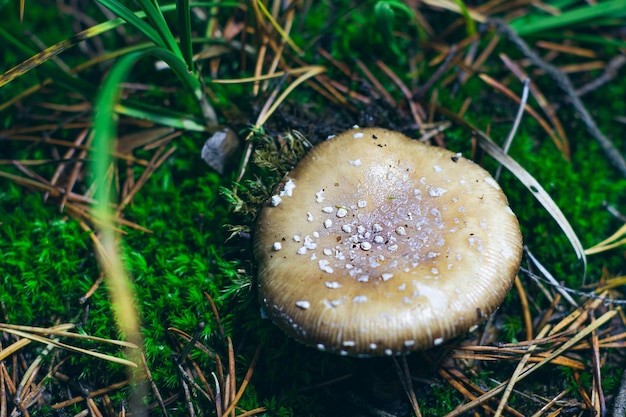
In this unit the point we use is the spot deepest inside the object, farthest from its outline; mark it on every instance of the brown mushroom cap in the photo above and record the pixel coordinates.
(377, 244)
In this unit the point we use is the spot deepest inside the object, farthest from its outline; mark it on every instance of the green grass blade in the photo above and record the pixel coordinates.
(183, 10)
(133, 19)
(531, 24)
(177, 121)
(155, 16)
(470, 25)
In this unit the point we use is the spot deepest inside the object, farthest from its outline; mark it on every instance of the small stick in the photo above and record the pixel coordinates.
(610, 72)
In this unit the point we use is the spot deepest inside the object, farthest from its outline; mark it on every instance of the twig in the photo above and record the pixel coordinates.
(610, 72)
(610, 151)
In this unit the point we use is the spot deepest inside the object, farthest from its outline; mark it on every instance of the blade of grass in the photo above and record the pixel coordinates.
(179, 122)
(107, 247)
(527, 25)
(183, 12)
(134, 20)
(154, 14)
(470, 25)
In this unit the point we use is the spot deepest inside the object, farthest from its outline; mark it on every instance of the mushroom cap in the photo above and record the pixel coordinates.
(376, 244)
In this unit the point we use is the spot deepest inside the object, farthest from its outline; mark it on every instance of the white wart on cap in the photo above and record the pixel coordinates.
(376, 244)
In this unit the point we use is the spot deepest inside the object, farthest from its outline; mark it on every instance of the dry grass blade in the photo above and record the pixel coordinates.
(279, 29)
(21, 343)
(36, 338)
(257, 78)
(528, 325)
(613, 241)
(454, 7)
(264, 115)
(244, 384)
(568, 49)
(405, 379)
(416, 110)
(518, 370)
(60, 331)
(532, 368)
(91, 394)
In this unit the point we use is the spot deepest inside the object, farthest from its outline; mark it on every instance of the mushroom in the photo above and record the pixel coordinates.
(376, 244)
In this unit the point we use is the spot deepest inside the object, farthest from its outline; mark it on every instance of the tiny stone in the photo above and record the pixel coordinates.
(346, 228)
(366, 245)
(296, 238)
(358, 135)
(438, 341)
(386, 276)
(373, 346)
(349, 343)
(388, 352)
(377, 227)
(321, 347)
(277, 246)
(409, 343)
(393, 248)
(327, 210)
(361, 203)
(342, 212)
(319, 196)
(328, 223)
(355, 163)
(401, 231)
(309, 216)
(379, 239)
(359, 299)
(328, 252)
(333, 285)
